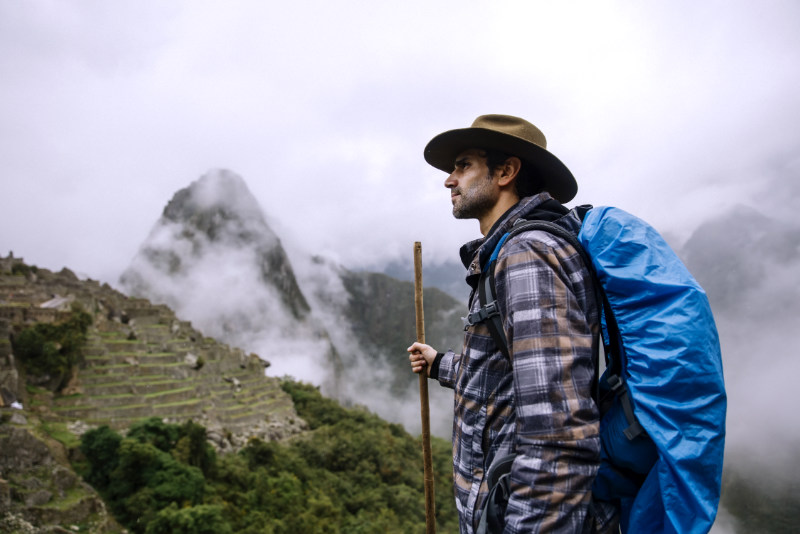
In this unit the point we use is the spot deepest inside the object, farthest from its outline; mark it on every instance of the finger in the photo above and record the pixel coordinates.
(416, 347)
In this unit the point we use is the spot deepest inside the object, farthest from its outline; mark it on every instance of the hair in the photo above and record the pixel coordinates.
(527, 183)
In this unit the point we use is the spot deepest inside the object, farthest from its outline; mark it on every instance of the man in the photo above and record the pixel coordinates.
(536, 403)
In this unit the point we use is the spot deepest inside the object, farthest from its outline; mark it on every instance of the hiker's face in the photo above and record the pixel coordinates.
(472, 189)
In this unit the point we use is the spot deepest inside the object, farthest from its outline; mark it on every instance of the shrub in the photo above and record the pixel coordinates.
(100, 446)
(20, 269)
(147, 480)
(156, 432)
(200, 519)
(192, 448)
(52, 350)
(353, 473)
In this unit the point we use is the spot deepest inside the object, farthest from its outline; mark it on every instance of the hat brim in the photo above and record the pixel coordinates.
(442, 150)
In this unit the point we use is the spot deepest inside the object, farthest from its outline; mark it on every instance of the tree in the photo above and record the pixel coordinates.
(51, 350)
(193, 448)
(200, 519)
(155, 432)
(100, 446)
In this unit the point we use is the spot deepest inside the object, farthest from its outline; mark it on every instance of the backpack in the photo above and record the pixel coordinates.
(661, 397)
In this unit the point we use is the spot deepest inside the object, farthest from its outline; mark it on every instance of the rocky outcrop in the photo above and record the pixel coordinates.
(39, 491)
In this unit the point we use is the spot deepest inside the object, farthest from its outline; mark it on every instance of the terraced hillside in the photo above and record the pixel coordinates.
(140, 361)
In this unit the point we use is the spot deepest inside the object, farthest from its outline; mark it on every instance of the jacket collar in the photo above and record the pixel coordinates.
(474, 254)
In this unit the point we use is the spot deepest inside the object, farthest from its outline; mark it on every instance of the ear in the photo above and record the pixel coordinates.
(508, 171)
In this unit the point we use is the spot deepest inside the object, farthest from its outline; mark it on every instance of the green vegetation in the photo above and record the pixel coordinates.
(352, 473)
(20, 269)
(52, 349)
(59, 432)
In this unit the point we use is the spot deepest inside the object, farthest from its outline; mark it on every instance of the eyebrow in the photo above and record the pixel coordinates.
(461, 161)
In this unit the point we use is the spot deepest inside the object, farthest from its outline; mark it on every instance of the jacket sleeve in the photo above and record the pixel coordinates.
(545, 295)
(447, 368)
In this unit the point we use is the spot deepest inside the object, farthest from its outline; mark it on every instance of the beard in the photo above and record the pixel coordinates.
(474, 202)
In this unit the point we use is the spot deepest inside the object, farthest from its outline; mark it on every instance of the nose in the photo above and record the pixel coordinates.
(450, 182)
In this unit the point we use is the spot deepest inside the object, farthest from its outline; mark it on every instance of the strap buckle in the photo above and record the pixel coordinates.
(484, 313)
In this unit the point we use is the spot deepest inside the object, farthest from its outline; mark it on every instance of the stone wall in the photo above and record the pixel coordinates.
(7, 264)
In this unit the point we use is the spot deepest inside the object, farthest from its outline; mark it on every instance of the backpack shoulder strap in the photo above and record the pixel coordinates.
(489, 310)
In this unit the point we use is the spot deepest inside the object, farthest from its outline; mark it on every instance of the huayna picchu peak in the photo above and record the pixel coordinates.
(203, 225)
(213, 258)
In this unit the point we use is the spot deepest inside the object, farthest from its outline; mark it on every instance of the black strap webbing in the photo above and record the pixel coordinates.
(487, 294)
(495, 321)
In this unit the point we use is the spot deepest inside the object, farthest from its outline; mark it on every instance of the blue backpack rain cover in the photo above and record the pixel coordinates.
(663, 429)
(672, 366)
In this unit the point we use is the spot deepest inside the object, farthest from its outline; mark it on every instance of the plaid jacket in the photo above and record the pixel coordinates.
(539, 405)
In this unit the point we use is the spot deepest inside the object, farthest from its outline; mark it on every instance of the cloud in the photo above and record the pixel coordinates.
(325, 109)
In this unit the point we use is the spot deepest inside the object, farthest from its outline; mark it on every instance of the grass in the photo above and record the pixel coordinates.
(71, 497)
(111, 335)
(142, 396)
(138, 381)
(59, 432)
(178, 403)
(117, 366)
(58, 409)
(114, 396)
(168, 392)
(124, 341)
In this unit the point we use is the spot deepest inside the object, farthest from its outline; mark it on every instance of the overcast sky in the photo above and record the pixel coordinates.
(673, 110)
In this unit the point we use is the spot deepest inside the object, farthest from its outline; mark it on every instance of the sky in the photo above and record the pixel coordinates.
(670, 110)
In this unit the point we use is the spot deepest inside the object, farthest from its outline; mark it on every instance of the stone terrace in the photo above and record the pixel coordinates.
(141, 361)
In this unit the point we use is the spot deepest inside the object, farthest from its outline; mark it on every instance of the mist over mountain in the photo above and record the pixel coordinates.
(213, 258)
(749, 264)
(447, 276)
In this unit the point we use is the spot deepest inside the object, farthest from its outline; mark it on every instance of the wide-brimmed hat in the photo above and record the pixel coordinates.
(513, 136)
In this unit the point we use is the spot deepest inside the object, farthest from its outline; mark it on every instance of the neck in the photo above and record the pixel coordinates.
(505, 202)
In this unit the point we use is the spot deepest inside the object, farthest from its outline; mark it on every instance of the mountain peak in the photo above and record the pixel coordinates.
(211, 238)
(218, 189)
(220, 206)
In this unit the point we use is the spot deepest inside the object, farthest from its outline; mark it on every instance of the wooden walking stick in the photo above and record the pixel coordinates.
(427, 460)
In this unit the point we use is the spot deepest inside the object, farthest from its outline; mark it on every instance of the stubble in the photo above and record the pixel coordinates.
(474, 202)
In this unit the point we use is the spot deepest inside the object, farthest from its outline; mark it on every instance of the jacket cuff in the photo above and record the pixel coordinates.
(435, 366)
